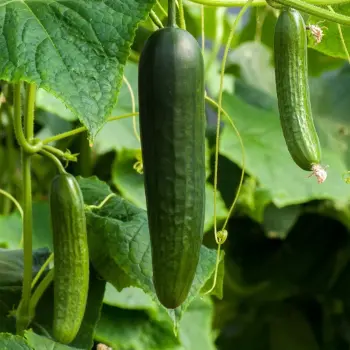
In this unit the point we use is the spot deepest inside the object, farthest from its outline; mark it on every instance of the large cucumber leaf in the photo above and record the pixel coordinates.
(119, 231)
(75, 49)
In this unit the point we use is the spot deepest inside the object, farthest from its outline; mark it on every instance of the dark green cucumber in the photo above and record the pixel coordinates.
(71, 258)
(290, 51)
(172, 124)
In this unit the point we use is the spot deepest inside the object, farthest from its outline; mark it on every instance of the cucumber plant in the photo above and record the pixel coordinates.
(172, 123)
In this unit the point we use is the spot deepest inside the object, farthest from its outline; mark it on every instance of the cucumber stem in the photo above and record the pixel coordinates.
(296, 4)
(182, 15)
(83, 128)
(171, 13)
(42, 270)
(341, 37)
(239, 3)
(23, 315)
(13, 200)
(58, 164)
(21, 139)
(155, 19)
(316, 11)
(39, 291)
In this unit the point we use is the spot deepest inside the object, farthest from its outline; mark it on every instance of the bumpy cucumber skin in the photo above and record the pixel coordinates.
(71, 257)
(172, 125)
(290, 52)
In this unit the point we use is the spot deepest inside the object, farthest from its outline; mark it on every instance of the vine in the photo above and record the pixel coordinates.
(23, 312)
(297, 4)
(221, 236)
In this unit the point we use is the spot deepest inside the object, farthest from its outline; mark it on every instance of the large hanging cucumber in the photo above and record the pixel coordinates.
(172, 124)
(71, 258)
(290, 52)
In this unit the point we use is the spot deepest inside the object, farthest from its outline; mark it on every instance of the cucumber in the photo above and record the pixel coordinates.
(71, 258)
(172, 125)
(290, 54)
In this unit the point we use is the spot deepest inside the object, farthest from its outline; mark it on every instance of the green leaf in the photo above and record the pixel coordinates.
(213, 76)
(11, 228)
(331, 44)
(319, 62)
(11, 265)
(291, 331)
(275, 170)
(218, 289)
(120, 134)
(127, 180)
(336, 210)
(253, 200)
(196, 326)
(39, 342)
(11, 280)
(51, 124)
(67, 49)
(107, 267)
(255, 68)
(49, 103)
(260, 25)
(13, 342)
(278, 221)
(129, 298)
(131, 185)
(123, 230)
(134, 330)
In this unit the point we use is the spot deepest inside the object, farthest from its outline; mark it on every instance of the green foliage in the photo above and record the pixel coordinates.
(13, 342)
(69, 51)
(130, 320)
(331, 43)
(283, 278)
(291, 331)
(130, 185)
(38, 342)
(276, 170)
(119, 231)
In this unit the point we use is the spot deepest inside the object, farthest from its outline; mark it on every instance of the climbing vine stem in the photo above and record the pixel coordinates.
(224, 59)
(23, 315)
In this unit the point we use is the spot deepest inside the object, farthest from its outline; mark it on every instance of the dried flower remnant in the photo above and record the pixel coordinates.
(316, 31)
(320, 172)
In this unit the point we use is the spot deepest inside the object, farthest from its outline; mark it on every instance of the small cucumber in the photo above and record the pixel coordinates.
(172, 124)
(71, 258)
(290, 53)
